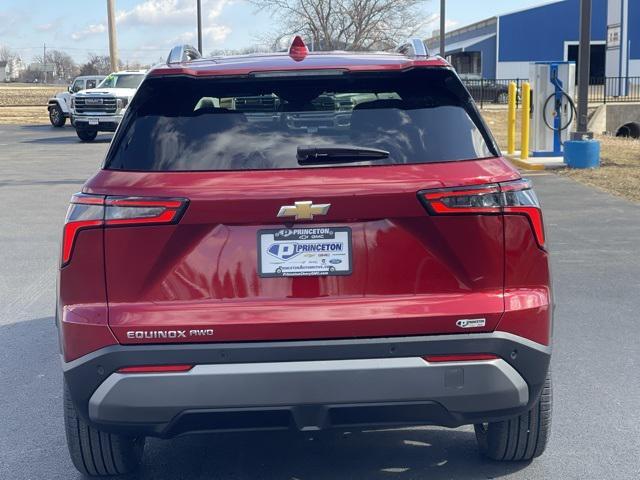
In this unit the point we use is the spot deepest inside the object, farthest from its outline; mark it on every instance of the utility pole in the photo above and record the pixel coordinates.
(200, 26)
(442, 17)
(44, 61)
(584, 59)
(113, 44)
(582, 151)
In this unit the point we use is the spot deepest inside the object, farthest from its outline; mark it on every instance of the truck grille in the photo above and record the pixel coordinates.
(95, 105)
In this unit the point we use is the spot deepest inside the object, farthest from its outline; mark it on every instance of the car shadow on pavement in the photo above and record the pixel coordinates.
(67, 127)
(64, 135)
(68, 140)
(33, 441)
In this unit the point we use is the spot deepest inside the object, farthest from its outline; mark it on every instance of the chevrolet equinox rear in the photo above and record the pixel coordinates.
(306, 241)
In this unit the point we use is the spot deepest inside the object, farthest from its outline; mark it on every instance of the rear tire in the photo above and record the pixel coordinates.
(96, 453)
(87, 135)
(521, 438)
(56, 116)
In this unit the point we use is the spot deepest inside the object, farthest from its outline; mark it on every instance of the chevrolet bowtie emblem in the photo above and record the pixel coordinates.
(304, 210)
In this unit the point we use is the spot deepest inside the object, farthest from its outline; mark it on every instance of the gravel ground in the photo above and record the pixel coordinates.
(620, 170)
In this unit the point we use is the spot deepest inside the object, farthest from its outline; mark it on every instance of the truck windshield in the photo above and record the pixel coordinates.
(182, 123)
(121, 81)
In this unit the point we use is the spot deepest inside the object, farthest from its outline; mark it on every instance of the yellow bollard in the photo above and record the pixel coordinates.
(511, 119)
(524, 126)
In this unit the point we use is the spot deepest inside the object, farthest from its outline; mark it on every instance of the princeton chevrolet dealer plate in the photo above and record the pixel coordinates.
(292, 252)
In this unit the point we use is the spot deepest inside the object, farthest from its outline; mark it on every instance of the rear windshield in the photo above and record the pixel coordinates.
(121, 81)
(255, 123)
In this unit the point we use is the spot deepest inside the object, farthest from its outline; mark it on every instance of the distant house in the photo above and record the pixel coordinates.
(4, 74)
(15, 68)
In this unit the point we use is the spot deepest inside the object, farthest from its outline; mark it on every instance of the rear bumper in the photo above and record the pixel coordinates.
(308, 385)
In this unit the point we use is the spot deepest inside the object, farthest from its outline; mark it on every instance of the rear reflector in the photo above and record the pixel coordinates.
(508, 198)
(156, 369)
(463, 357)
(95, 211)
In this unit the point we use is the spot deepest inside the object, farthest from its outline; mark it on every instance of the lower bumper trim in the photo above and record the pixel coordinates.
(322, 386)
(330, 382)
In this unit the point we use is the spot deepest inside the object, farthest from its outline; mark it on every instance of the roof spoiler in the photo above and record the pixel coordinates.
(413, 47)
(182, 54)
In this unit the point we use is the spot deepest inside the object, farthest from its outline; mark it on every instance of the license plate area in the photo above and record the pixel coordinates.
(304, 251)
(93, 121)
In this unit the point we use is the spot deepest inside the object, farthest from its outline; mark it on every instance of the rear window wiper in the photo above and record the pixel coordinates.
(312, 154)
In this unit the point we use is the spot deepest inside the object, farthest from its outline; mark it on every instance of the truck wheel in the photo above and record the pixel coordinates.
(87, 135)
(521, 438)
(56, 116)
(97, 453)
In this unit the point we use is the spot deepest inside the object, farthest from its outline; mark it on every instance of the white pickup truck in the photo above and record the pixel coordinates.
(59, 107)
(101, 109)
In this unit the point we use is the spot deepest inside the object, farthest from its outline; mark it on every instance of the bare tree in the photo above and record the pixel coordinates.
(63, 65)
(348, 24)
(97, 65)
(241, 51)
(6, 54)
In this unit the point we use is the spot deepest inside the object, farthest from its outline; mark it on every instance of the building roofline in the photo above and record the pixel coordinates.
(543, 4)
(467, 28)
(490, 20)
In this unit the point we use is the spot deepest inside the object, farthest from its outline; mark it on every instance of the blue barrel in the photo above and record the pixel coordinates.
(582, 153)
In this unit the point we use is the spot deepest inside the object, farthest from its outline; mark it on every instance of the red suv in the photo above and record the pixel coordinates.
(309, 241)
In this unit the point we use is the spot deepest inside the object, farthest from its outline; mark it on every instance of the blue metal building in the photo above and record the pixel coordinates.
(504, 45)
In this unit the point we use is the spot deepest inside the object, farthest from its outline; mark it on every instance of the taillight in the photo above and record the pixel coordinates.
(477, 199)
(85, 211)
(515, 197)
(519, 198)
(136, 210)
(95, 211)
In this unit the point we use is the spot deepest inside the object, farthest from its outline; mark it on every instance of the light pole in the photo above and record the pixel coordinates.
(113, 44)
(200, 26)
(442, 16)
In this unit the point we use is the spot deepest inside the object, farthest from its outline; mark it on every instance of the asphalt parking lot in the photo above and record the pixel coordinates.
(595, 240)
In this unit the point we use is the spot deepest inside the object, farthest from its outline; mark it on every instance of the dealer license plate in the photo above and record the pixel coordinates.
(304, 251)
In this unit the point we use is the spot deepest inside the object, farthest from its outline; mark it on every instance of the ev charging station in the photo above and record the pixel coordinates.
(553, 111)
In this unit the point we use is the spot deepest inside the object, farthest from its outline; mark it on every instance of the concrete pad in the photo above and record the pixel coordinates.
(536, 163)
